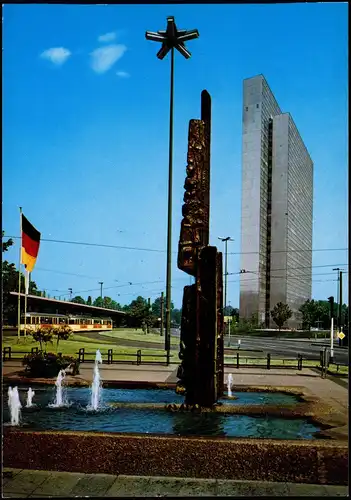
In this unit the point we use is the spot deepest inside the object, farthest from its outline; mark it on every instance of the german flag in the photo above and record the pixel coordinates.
(30, 244)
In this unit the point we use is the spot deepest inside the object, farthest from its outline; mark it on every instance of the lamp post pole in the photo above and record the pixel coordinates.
(228, 238)
(339, 297)
(171, 39)
(169, 225)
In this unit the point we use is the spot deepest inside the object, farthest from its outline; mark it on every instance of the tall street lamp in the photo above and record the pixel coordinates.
(339, 295)
(228, 238)
(171, 39)
(101, 283)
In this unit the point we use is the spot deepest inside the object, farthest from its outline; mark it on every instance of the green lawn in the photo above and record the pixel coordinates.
(132, 334)
(76, 342)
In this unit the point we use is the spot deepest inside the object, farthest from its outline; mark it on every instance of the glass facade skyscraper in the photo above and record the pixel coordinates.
(277, 198)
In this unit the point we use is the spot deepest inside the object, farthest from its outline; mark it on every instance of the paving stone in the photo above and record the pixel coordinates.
(27, 481)
(310, 490)
(14, 495)
(58, 484)
(8, 474)
(250, 488)
(93, 485)
(34, 495)
(129, 486)
(336, 491)
(7, 470)
(164, 486)
(198, 488)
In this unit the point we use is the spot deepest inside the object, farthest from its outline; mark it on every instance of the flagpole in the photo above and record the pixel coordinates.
(25, 302)
(19, 281)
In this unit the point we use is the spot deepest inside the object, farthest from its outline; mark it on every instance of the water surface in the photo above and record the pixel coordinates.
(124, 420)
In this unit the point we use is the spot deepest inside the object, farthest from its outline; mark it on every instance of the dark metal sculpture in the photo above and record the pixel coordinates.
(201, 341)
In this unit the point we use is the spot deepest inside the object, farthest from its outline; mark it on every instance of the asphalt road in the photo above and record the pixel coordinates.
(310, 349)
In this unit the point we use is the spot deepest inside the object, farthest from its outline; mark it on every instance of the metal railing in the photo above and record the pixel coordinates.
(238, 361)
(268, 362)
(112, 357)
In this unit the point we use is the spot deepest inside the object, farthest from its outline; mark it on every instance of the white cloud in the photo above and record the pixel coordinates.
(107, 37)
(122, 74)
(57, 55)
(104, 58)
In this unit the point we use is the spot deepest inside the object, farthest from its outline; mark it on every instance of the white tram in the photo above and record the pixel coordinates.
(77, 323)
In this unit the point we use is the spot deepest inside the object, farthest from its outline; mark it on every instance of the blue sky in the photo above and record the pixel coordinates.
(85, 132)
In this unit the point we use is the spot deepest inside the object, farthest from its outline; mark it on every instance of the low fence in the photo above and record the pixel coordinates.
(237, 361)
(265, 362)
(110, 357)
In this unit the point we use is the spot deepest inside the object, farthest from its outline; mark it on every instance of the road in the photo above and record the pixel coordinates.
(309, 349)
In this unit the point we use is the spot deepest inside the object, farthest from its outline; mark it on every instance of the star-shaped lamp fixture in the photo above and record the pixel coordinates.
(172, 38)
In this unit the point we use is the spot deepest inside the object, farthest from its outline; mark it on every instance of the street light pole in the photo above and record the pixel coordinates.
(169, 226)
(101, 283)
(171, 39)
(225, 240)
(340, 303)
(339, 296)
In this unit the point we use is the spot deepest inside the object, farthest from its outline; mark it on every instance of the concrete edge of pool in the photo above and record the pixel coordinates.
(313, 462)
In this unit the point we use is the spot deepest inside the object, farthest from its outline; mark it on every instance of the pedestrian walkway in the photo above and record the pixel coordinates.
(18, 483)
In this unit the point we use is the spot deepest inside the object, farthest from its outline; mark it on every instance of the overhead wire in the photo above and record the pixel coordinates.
(122, 247)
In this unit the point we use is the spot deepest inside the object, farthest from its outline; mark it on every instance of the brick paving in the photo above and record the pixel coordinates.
(18, 483)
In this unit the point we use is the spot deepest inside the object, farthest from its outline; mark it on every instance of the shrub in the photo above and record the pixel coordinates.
(62, 332)
(48, 364)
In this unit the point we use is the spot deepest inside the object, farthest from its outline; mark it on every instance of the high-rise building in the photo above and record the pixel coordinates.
(277, 203)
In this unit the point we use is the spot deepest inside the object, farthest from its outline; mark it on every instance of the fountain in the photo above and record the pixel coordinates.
(14, 405)
(229, 385)
(59, 398)
(96, 385)
(30, 395)
(153, 439)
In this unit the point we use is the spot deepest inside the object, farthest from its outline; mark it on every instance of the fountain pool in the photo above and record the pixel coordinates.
(157, 421)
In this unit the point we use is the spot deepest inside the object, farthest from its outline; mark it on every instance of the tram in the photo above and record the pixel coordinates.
(77, 323)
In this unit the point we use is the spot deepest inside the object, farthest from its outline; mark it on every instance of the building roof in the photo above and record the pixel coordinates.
(70, 304)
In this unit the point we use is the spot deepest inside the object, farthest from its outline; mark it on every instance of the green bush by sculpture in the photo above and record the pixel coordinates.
(48, 364)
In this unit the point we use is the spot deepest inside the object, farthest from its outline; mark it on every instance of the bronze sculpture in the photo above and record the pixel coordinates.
(201, 341)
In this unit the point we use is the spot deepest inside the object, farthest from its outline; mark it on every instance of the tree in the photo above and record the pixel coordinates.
(309, 312)
(43, 336)
(10, 284)
(63, 332)
(139, 310)
(228, 311)
(281, 313)
(98, 302)
(6, 244)
(78, 300)
(176, 316)
(156, 307)
(116, 305)
(235, 314)
(89, 301)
